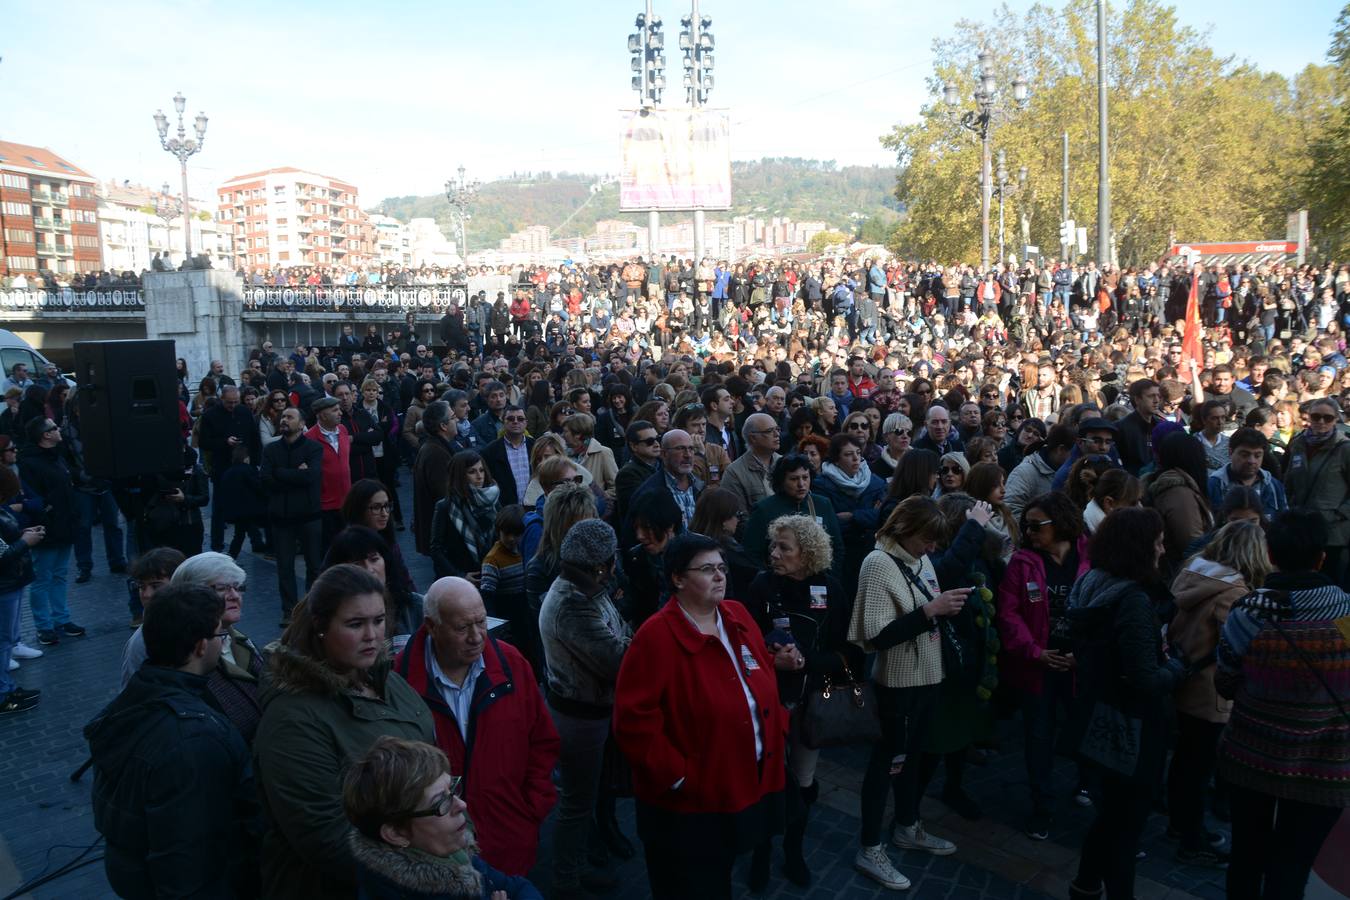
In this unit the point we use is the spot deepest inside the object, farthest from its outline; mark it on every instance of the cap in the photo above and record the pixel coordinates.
(323, 403)
(591, 542)
(1095, 423)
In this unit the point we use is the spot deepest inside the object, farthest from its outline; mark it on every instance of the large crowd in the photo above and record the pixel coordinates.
(692, 523)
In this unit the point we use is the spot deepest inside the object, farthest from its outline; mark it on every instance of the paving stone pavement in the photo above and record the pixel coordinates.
(46, 821)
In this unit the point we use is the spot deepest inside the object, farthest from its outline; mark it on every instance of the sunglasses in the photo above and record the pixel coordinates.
(1321, 417)
(951, 470)
(901, 431)
(648, 442)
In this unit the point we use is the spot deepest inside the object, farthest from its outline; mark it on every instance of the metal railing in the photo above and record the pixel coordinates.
(111, 299)
(53, 198)
(342, 298)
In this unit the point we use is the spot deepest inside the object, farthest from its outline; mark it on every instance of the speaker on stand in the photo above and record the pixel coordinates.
(128, 405)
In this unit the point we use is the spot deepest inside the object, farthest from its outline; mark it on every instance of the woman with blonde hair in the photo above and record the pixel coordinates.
(1234, 563)
(896, 614)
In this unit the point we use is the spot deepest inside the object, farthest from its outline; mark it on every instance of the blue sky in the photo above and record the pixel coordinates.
(393, 96)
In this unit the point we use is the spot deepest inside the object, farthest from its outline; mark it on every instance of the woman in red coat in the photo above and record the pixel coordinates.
(707, 750)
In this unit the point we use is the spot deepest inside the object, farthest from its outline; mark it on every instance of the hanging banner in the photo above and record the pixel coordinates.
(676, 158)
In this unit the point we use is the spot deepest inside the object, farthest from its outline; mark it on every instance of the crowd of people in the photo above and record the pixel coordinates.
(1031, 494)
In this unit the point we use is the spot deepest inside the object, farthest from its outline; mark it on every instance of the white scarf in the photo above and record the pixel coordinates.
(851, 486)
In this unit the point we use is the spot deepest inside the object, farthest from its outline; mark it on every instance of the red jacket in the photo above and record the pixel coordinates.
(1024, 626)
(337, 471)
(679, 712)
(510, 754)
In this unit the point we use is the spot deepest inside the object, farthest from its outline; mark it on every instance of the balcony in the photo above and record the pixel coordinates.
(46, 250)
(54, 199)
(65, 250)
(51, 225)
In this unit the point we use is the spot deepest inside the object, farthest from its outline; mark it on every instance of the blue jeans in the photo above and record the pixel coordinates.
(47, 593)
(9, 635)
(85, 506)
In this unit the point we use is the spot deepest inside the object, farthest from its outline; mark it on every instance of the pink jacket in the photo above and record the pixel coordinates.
(1023, 626)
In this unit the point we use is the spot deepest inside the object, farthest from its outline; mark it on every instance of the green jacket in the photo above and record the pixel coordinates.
(755, 535)
(1321, 481)
(312, 726)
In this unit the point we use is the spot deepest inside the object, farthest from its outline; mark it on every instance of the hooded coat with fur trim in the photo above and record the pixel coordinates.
(390, 873)
(1204, 593)
(313, 724)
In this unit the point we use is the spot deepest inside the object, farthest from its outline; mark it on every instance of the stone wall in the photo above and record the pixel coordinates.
(201, 311)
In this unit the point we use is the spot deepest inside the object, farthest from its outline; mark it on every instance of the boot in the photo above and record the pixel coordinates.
(759, 869)
(794, 862)
(606, 817)
(597, 851)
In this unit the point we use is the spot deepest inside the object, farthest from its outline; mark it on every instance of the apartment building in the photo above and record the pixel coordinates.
(48, 213)
(285, 217)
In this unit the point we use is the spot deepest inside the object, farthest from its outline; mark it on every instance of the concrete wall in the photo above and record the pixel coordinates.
(201, 310)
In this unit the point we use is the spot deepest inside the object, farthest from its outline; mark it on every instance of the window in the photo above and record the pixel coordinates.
(23, 262)
(80, 190)
(18, 236)
(88, 241)
(16, 181)
(37, 162)
(284, 255)
(18, 209)
(281, 221)
(87, 216)
(283, 239)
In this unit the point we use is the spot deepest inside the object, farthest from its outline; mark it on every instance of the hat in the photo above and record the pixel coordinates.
(1095, 423)
(591, 542)
(323, 403)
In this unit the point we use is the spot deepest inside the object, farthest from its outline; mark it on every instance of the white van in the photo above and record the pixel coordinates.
(14, 349)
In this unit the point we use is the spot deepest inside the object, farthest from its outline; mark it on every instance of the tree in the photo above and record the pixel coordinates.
(1199, 147)
(822, 239)
(1325, 181)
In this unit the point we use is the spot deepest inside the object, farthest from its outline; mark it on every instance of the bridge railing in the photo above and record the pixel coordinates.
(410, 298)
(109, 299)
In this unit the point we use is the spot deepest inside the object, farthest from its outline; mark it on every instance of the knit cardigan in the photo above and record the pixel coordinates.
(888, 618)
(1286, 736)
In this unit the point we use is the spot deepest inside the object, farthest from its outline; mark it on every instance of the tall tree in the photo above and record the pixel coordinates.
(1197, 151)
(1326, 179)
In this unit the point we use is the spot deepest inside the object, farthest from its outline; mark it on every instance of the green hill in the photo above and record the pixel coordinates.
(802, 189)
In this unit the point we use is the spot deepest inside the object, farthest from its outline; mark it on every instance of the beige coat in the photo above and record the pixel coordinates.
(599, 461)
(1205, 591)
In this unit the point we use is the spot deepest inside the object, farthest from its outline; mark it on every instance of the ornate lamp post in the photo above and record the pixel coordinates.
(182, 146)
(461, 194)
(1003, 190)
(981, 120)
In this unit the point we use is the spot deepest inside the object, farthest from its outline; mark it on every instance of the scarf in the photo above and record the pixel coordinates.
(475, 520)
(1313, 439)
(850, 486)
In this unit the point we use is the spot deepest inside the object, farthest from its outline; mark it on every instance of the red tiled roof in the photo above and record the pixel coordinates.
(39, 161)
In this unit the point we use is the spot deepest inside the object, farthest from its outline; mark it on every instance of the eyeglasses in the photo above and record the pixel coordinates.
(1322, 417)
(1031, 526)
(710, 568)
(443, 804)
(223, 635)
(1101, 440)
(1001, 423)
(648, 441)
(951, 470)
(857, 426)
(380, 507)
(900, 431)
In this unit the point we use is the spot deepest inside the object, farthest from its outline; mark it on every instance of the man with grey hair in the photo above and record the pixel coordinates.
(748, 476)
(675, 477)
(490, 720)
(775, 404)
(236, 680)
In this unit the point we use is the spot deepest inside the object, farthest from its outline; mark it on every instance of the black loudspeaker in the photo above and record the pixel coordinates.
(128, 404)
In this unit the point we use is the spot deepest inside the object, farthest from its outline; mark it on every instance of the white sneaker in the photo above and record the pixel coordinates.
(23, 651)
(875, 864)
(915, 838)
(13, 664)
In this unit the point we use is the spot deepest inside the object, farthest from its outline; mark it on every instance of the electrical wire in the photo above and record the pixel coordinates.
(62, 871)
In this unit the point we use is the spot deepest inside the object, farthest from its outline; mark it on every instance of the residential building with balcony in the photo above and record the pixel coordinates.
(287, 217)
(136, 222)
(48, 214)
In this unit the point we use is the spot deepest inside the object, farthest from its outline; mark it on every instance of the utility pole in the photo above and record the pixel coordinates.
(1064, 202)
(696, 42)
(1103, 175)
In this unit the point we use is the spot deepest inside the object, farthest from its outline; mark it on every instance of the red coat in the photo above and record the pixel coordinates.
(679, 712)
(1023, 626)
(337, 471)
(509, 759)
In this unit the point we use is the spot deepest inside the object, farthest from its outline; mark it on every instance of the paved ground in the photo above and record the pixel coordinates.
(45, 820)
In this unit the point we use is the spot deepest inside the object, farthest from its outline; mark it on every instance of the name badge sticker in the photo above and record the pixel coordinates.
(1034, 592)
(748, 659)
(817, 596)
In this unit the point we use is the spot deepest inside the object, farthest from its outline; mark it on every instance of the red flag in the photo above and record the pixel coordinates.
(1190, 341)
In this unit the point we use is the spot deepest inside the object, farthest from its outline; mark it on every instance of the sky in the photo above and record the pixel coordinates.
(394, 96)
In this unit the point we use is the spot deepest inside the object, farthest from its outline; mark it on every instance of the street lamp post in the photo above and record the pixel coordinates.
(1003, 189)
(696, 41)
(460, 194)
(167, 209)
(980, 120)
(182, 147)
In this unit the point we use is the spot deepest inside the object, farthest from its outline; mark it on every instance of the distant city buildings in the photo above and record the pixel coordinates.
(132, 229)
(741, 238)
(288, 217)
(48, 214)
(429, 246)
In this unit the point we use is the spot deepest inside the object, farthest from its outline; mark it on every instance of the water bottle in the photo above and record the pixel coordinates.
(781, 633)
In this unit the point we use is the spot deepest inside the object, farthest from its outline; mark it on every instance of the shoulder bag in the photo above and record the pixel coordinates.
(956, 657)
(838, 714)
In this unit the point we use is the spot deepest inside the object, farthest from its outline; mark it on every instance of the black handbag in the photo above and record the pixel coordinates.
(1111, 739)
(840, 714)
(956, 658)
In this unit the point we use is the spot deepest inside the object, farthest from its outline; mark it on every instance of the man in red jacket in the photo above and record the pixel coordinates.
(329, 434)
(490, 720)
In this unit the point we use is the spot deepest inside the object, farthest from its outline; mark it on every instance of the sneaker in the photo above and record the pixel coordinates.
(70, 629)
(23, 695)
(915, 838)
(48, 638)
(10, 704)
(876, 865)
(1082, 798)
(1207, 856)
(1038, 825)
(23, 651)
(13, 664)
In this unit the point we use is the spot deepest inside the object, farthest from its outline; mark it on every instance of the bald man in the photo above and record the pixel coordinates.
(748, 475)
(675, 476)
(490, 720)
